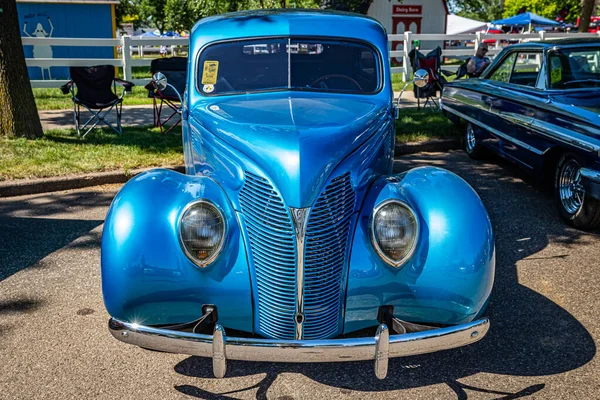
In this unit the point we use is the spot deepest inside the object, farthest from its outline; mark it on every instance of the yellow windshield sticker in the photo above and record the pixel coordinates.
(556, 75)
(210, 72)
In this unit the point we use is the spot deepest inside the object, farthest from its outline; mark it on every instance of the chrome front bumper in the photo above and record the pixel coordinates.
(220, 348)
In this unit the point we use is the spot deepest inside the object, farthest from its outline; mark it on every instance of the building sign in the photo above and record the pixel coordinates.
(400, 9)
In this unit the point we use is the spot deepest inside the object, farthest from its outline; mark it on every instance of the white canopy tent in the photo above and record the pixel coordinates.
(456, 25)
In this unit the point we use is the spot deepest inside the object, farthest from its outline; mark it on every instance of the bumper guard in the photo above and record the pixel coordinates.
(220, 347)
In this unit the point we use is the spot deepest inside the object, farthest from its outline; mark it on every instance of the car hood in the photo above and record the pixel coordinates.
(296, 139)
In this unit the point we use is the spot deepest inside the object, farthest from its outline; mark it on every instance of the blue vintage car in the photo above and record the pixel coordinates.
(538, 105)
(288, 230)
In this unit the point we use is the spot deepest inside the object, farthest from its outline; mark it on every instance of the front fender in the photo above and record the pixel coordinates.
(449, 278)
(147, 278)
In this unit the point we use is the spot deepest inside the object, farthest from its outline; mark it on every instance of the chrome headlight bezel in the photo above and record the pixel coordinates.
(375, 243)
(213, 257)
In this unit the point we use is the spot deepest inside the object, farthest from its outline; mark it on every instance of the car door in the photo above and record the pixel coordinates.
(493, 98)
(513, 100)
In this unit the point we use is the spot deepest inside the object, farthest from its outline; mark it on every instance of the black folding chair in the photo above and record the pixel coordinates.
(432, 63)
(95, 89)
(175, 69)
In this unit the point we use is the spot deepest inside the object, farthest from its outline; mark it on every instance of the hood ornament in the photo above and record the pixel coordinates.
(300, 218)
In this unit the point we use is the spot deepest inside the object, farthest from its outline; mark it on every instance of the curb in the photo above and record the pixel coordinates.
(433, 145)
(43, 185)
(35, 186)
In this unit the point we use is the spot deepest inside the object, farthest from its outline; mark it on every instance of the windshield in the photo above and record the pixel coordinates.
(288, 64)
(574, 69)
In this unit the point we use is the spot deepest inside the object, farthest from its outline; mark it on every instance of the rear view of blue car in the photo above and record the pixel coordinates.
(288, 239)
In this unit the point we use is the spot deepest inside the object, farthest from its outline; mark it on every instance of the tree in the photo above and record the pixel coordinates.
(544, 8)
(356, 6)
(178, 16)
(481, 10)
(181, 15)
(18, 112)
(586, 13)
(127, 11)
(154, 12)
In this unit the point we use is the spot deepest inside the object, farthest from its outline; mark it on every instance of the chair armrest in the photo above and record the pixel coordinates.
(66, 88)
(126, 84)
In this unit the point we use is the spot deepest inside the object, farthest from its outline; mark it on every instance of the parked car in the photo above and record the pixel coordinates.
(594, 26)
(289, 229)
(538, 105)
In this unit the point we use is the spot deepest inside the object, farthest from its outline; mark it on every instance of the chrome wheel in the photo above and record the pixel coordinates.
(471, 141)
(570, 189)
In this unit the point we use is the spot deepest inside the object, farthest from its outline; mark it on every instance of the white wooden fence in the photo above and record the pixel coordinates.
(127, 44)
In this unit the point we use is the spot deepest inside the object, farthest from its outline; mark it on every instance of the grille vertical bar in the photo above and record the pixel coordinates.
(325, 256)
(273, 247)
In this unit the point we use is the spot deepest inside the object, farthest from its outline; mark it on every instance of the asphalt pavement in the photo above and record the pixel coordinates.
(545, 313)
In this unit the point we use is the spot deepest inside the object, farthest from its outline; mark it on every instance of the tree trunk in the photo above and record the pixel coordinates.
(586, 13)
(18, 112)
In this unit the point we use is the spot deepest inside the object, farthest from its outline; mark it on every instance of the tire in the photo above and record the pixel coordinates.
(472, 145)
(574, 206)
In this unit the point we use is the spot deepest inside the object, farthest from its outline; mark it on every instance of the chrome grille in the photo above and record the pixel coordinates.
(325, 256)
(271, 235)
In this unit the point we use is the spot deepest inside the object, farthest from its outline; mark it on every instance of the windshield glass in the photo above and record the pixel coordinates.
(288, 64)
(574, 69)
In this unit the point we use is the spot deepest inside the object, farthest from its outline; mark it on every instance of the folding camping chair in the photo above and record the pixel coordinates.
(97, 92)
(432, 63)
(175, 69)
(462, 70)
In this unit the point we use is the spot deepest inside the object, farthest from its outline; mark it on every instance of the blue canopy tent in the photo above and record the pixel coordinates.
(148, 34)
(171, 34)
(526, 19)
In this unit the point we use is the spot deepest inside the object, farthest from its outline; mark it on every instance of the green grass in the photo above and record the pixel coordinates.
(53, 99)
(417, 126)
(397, 83)
(61, 152)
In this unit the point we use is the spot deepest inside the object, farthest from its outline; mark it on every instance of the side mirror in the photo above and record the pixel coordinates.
(421, 78)
(160, 81)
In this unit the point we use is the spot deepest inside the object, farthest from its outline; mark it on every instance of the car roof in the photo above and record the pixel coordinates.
(559, 42)
(286, 22)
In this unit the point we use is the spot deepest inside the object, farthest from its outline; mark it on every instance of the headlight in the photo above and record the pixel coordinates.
(202, 232)
(394, 231)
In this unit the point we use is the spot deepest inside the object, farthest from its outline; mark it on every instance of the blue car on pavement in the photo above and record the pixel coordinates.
(289, 239)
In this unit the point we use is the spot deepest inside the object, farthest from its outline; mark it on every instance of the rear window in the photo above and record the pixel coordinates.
(288, 64)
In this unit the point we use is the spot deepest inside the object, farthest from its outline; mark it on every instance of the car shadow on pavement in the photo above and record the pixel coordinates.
(530, 335)
(36, 226)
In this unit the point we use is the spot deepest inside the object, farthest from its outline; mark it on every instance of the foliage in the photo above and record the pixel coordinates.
(544, 8)
(181, 15)
(356, 6)
(153, 12)
(481, 10)
(177, 15)
(127, 11)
